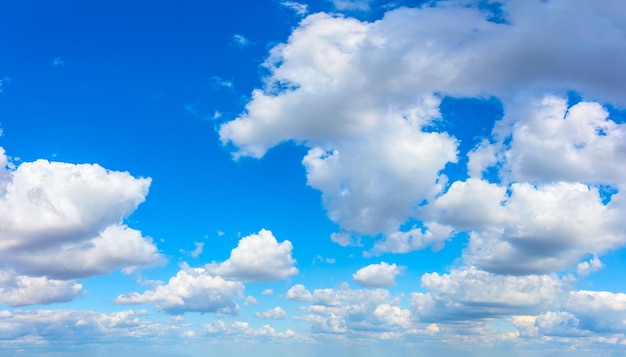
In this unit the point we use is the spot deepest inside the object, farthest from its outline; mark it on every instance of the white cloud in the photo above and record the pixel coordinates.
(598, 311)
(551, 142)
(298, 8)
(591, 266)
(242, 329)
(240, 40)
(432, 235)
(257, 257)
(25, 327)
(377, 275)
(199, 248)
(251, 300)
(63, 220)
(276, 313)
(538, 234)
(267, 292)
(19, 290)
(192, 289)
(342, 310)
(469, 293)
(299, 293)
(353, 85)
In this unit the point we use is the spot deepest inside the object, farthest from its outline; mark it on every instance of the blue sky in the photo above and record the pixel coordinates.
(345, 177)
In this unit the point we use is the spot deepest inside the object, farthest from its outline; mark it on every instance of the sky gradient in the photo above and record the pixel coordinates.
(322, 178)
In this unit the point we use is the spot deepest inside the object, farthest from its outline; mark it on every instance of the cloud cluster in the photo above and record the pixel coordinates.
(192, 289)
(60, 222)
(361, 97)
(216, 286)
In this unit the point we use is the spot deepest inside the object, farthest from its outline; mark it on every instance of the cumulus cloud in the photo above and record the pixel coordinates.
(54, 212)
(276, 313)
(343, 310)
(299, 292)
(469, 293)
(362, 107)
(20, 290)
(377, 275)
(192, 289)
(257, 257)
(214, 287)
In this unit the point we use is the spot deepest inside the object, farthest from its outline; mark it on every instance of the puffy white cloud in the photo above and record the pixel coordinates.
(342, 310)
(591, 266)
(551, 142)
(192, 289)
(359, 95)
(598, 311)
(377, 275)
(547, 228)
(267, 292)
(64, 221)
(276, 313)
(432, 235)
(257, 257)
(19, 290)
(371, 184)
(470, 293)
(299, 292)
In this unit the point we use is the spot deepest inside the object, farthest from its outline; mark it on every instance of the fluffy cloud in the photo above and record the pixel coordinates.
(299, 292)
(553, 142)
(43, 326)
(59, 222)
(377, 275)
(242, 329)
(359, 96)
(342, 310)
(276, 313)
(257, 257)
(214, 287)
(192, 289)
(19, 290)
(470, 293)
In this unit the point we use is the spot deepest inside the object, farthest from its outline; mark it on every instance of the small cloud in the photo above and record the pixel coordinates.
(267, 292)
(219, 233)
(325, 260)
(221, 82)
(58, 61)
(196, 252)
(276, 313)
(217, 115)
(250, 300)
(240, 40)
(588, 267)
(298, 8)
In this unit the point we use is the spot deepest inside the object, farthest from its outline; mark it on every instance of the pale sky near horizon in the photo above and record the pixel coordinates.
(321, 178)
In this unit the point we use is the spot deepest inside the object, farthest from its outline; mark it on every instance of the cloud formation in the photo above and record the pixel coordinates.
(192, 289)
(60, 222)
(366, 110)
(377, 275)
(257, 257)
